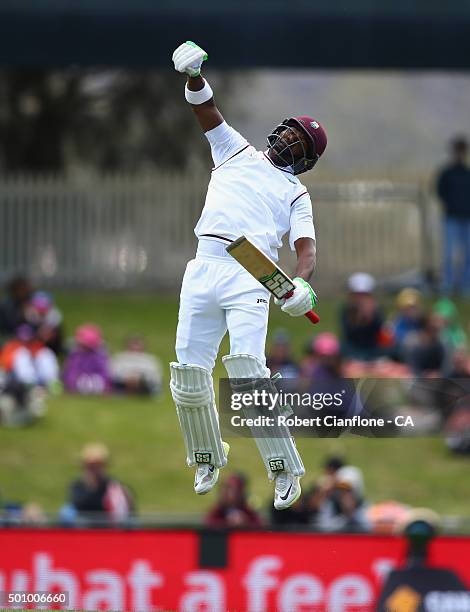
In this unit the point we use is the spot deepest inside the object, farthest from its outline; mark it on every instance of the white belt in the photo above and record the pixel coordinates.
(211, 248)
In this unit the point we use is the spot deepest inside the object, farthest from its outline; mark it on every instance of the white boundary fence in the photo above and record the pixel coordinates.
(137, 232)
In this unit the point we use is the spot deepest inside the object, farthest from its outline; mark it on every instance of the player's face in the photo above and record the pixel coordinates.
(290, 146)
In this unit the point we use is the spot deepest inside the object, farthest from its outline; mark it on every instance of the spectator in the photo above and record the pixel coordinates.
(135, 371)
(386, 517)
(457, 429)
(327, 480)
(408, 319)
(12, 315)
(452, 333)
(280, 357)
(232, 509)
(453, 188)
(44, 316)
(28, 361)
(361, 320)
(425, 353)
(419, 581)
(324, 361)
(96, 495)
(345, 509)
(86, 369)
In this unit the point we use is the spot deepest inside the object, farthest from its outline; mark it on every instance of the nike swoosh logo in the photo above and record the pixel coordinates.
(211, 468)
(284, 497)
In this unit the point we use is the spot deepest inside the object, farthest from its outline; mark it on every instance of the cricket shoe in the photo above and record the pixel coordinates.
(287, 490)
(207, 475)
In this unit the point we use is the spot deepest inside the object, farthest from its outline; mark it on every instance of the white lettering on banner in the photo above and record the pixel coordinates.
(142, 580)
(264, 587)
(350, 589)
(19, 581)
(258, 581)
(299, 590)
(302, 589)
(109, 594)
(48, 579)
(447, 601)
(212, 596)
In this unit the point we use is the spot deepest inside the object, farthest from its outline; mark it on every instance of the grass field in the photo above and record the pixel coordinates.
(37, 463)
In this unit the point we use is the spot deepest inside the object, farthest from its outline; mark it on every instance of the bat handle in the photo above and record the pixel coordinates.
(313, 317)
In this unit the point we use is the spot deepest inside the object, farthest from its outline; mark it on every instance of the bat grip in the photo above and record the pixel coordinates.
(311, 315)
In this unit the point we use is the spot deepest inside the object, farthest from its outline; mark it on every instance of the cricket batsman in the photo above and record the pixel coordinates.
(256, 194)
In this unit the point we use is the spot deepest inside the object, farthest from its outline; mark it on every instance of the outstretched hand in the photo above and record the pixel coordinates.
(188, 58)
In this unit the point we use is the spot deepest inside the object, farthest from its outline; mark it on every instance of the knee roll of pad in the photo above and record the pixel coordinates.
(193, 393)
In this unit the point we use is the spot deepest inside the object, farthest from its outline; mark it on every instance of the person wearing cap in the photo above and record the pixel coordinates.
(419, 584)
(96, 495)
(408, 319)
(323, 361)
(256, 194)
(87, 369)
(361, 320)
(46, 318)
(453, 189)
(345, 508)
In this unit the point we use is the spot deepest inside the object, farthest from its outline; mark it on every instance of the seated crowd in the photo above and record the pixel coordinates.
(35, 359)
(335, 502)
(419, 341)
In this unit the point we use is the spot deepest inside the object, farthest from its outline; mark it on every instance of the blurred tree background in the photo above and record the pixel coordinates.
(98, 120)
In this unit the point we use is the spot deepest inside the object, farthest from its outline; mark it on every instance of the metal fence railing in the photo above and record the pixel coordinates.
(129, 232)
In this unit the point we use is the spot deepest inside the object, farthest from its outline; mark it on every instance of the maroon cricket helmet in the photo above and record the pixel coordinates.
(312, 129)
(316, 137)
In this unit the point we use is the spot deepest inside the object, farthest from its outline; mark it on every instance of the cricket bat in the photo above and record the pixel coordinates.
(265, 271)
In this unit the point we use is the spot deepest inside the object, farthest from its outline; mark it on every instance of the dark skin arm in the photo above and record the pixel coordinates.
(207, 114)
(306, 257)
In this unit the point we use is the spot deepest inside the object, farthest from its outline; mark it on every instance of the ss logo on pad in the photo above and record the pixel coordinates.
(201, 457)
(276, 465)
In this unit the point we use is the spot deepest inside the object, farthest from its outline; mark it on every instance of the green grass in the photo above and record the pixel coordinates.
(37, 463)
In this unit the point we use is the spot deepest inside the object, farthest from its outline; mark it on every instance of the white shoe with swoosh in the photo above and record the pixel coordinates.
(207, 475)
(287, 490)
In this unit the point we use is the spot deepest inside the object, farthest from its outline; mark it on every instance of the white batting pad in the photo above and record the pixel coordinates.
(279, 452)
(193, 393)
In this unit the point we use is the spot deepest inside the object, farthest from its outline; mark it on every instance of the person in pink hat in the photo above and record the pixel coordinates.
(324, 358)
(86, 369)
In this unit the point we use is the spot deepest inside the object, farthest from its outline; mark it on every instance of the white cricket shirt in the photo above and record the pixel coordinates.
(249, 196)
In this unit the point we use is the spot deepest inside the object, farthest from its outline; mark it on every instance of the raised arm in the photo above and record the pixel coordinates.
(188, 59)
(207, 113)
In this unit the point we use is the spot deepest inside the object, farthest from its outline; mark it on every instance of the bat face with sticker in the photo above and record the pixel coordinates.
(269, 274)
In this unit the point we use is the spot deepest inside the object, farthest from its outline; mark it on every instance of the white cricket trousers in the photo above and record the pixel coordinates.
(217, 295)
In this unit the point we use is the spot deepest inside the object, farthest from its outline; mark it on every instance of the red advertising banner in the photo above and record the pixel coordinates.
(159, 570)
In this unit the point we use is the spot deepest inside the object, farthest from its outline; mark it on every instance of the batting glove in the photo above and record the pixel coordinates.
(188, 58)
(301, 301)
